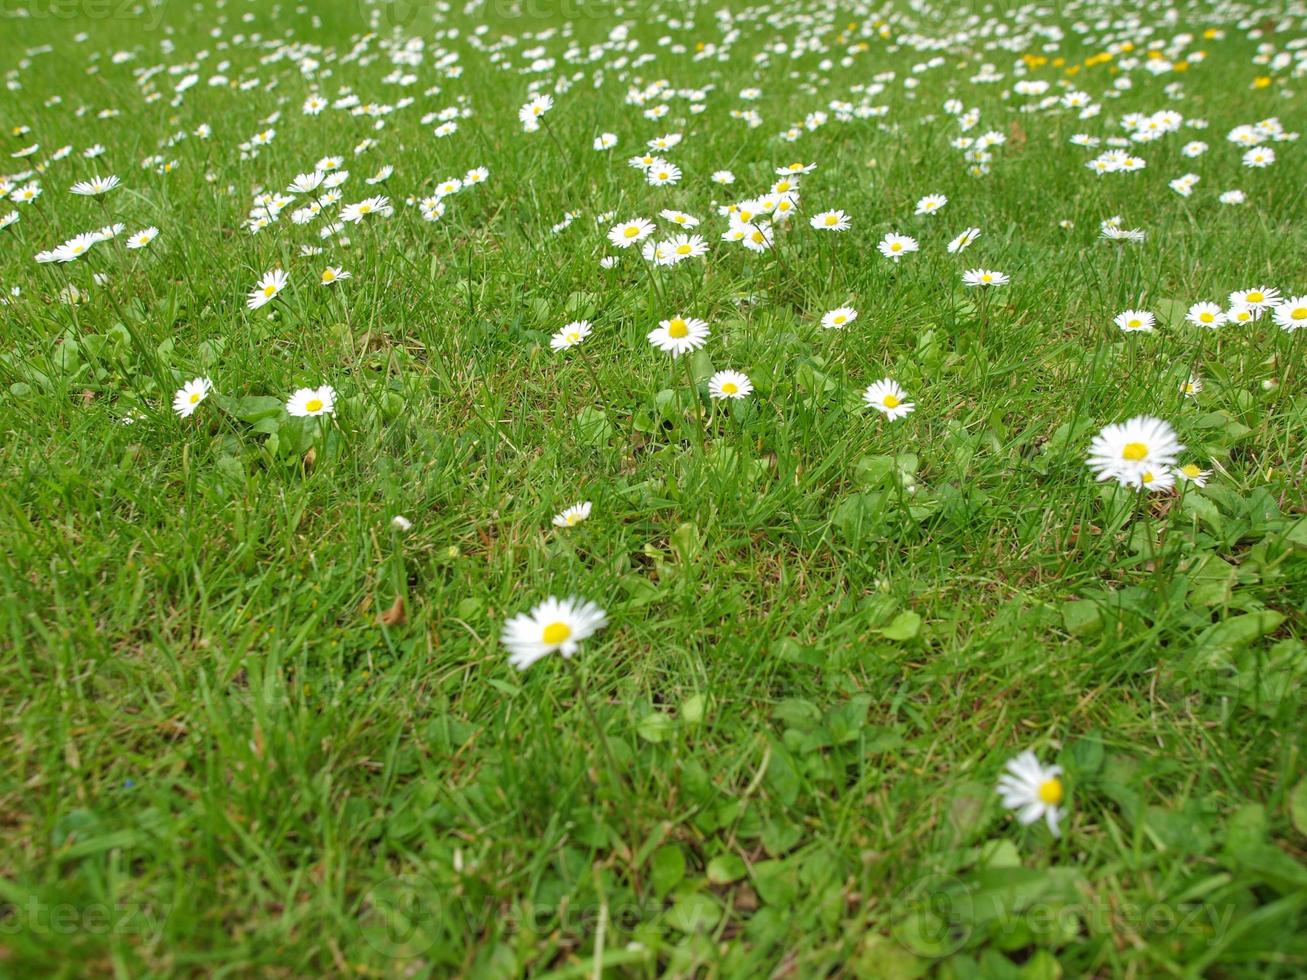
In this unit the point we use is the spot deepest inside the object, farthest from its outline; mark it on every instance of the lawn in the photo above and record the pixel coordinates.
(598, 489)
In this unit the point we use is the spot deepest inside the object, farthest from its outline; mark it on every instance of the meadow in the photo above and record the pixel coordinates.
(604, 489)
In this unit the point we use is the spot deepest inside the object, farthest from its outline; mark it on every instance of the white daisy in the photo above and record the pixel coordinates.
(552, 625)
(1032, 790)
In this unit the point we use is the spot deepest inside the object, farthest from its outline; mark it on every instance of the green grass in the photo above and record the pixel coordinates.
(827, 633)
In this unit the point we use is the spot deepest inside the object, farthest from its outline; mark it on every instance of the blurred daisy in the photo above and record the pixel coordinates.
(886, 397)
(729, 384)
(553, 625)
(310, 402)
(1191, 387)
(189, 396)
(963, 240)
(573, 515)
(930, 204)
(333, 274)
(1032, 790)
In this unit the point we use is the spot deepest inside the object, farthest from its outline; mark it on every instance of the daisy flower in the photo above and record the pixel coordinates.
(1243, 315)
(1121, 452)
(1257, 298)
(831, 221)
(1135, 321)
(189, 396)
(266, 291)
(686, 247)
(839, 318)
(570, 335)
(984, 277)
(1205, 315)
(1151, 478)
(729, 384)
(895, 246)
(142, 238)
(1191, 387)
(679, 218)
(1032, 790)
(680, 335)
(94, 187)
(886, 397)
(723, 177)
(372, 205)
(1193, 473)
(930, 204)
(573, 515)
(605, 141)
(553, 625)
(628, 233)
(309, 402)
(1291, 315)
(963, 240)
(662, 173)
(332, 274)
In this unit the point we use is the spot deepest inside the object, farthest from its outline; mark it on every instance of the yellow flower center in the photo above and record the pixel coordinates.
(832, 219)
(683, 250)
(1206, 317)
(1190, 470)
(631, 231)
(270, 290)
(572, 337)
(838, 319)
(1299, 313)
(678, 328)
(328, 276)
(556, 633)
(1050, 792)
(313, 405)
(986, 278)
(891, 401)
(571, 519)
(1256, 297)
(1147, 477)
(1134, 323)
(757, 238)
(730, 388)
(195, 397)
(895, 247)
(1134, 451)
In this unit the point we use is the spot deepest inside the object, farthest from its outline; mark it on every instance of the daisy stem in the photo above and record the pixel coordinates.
(698, 406)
